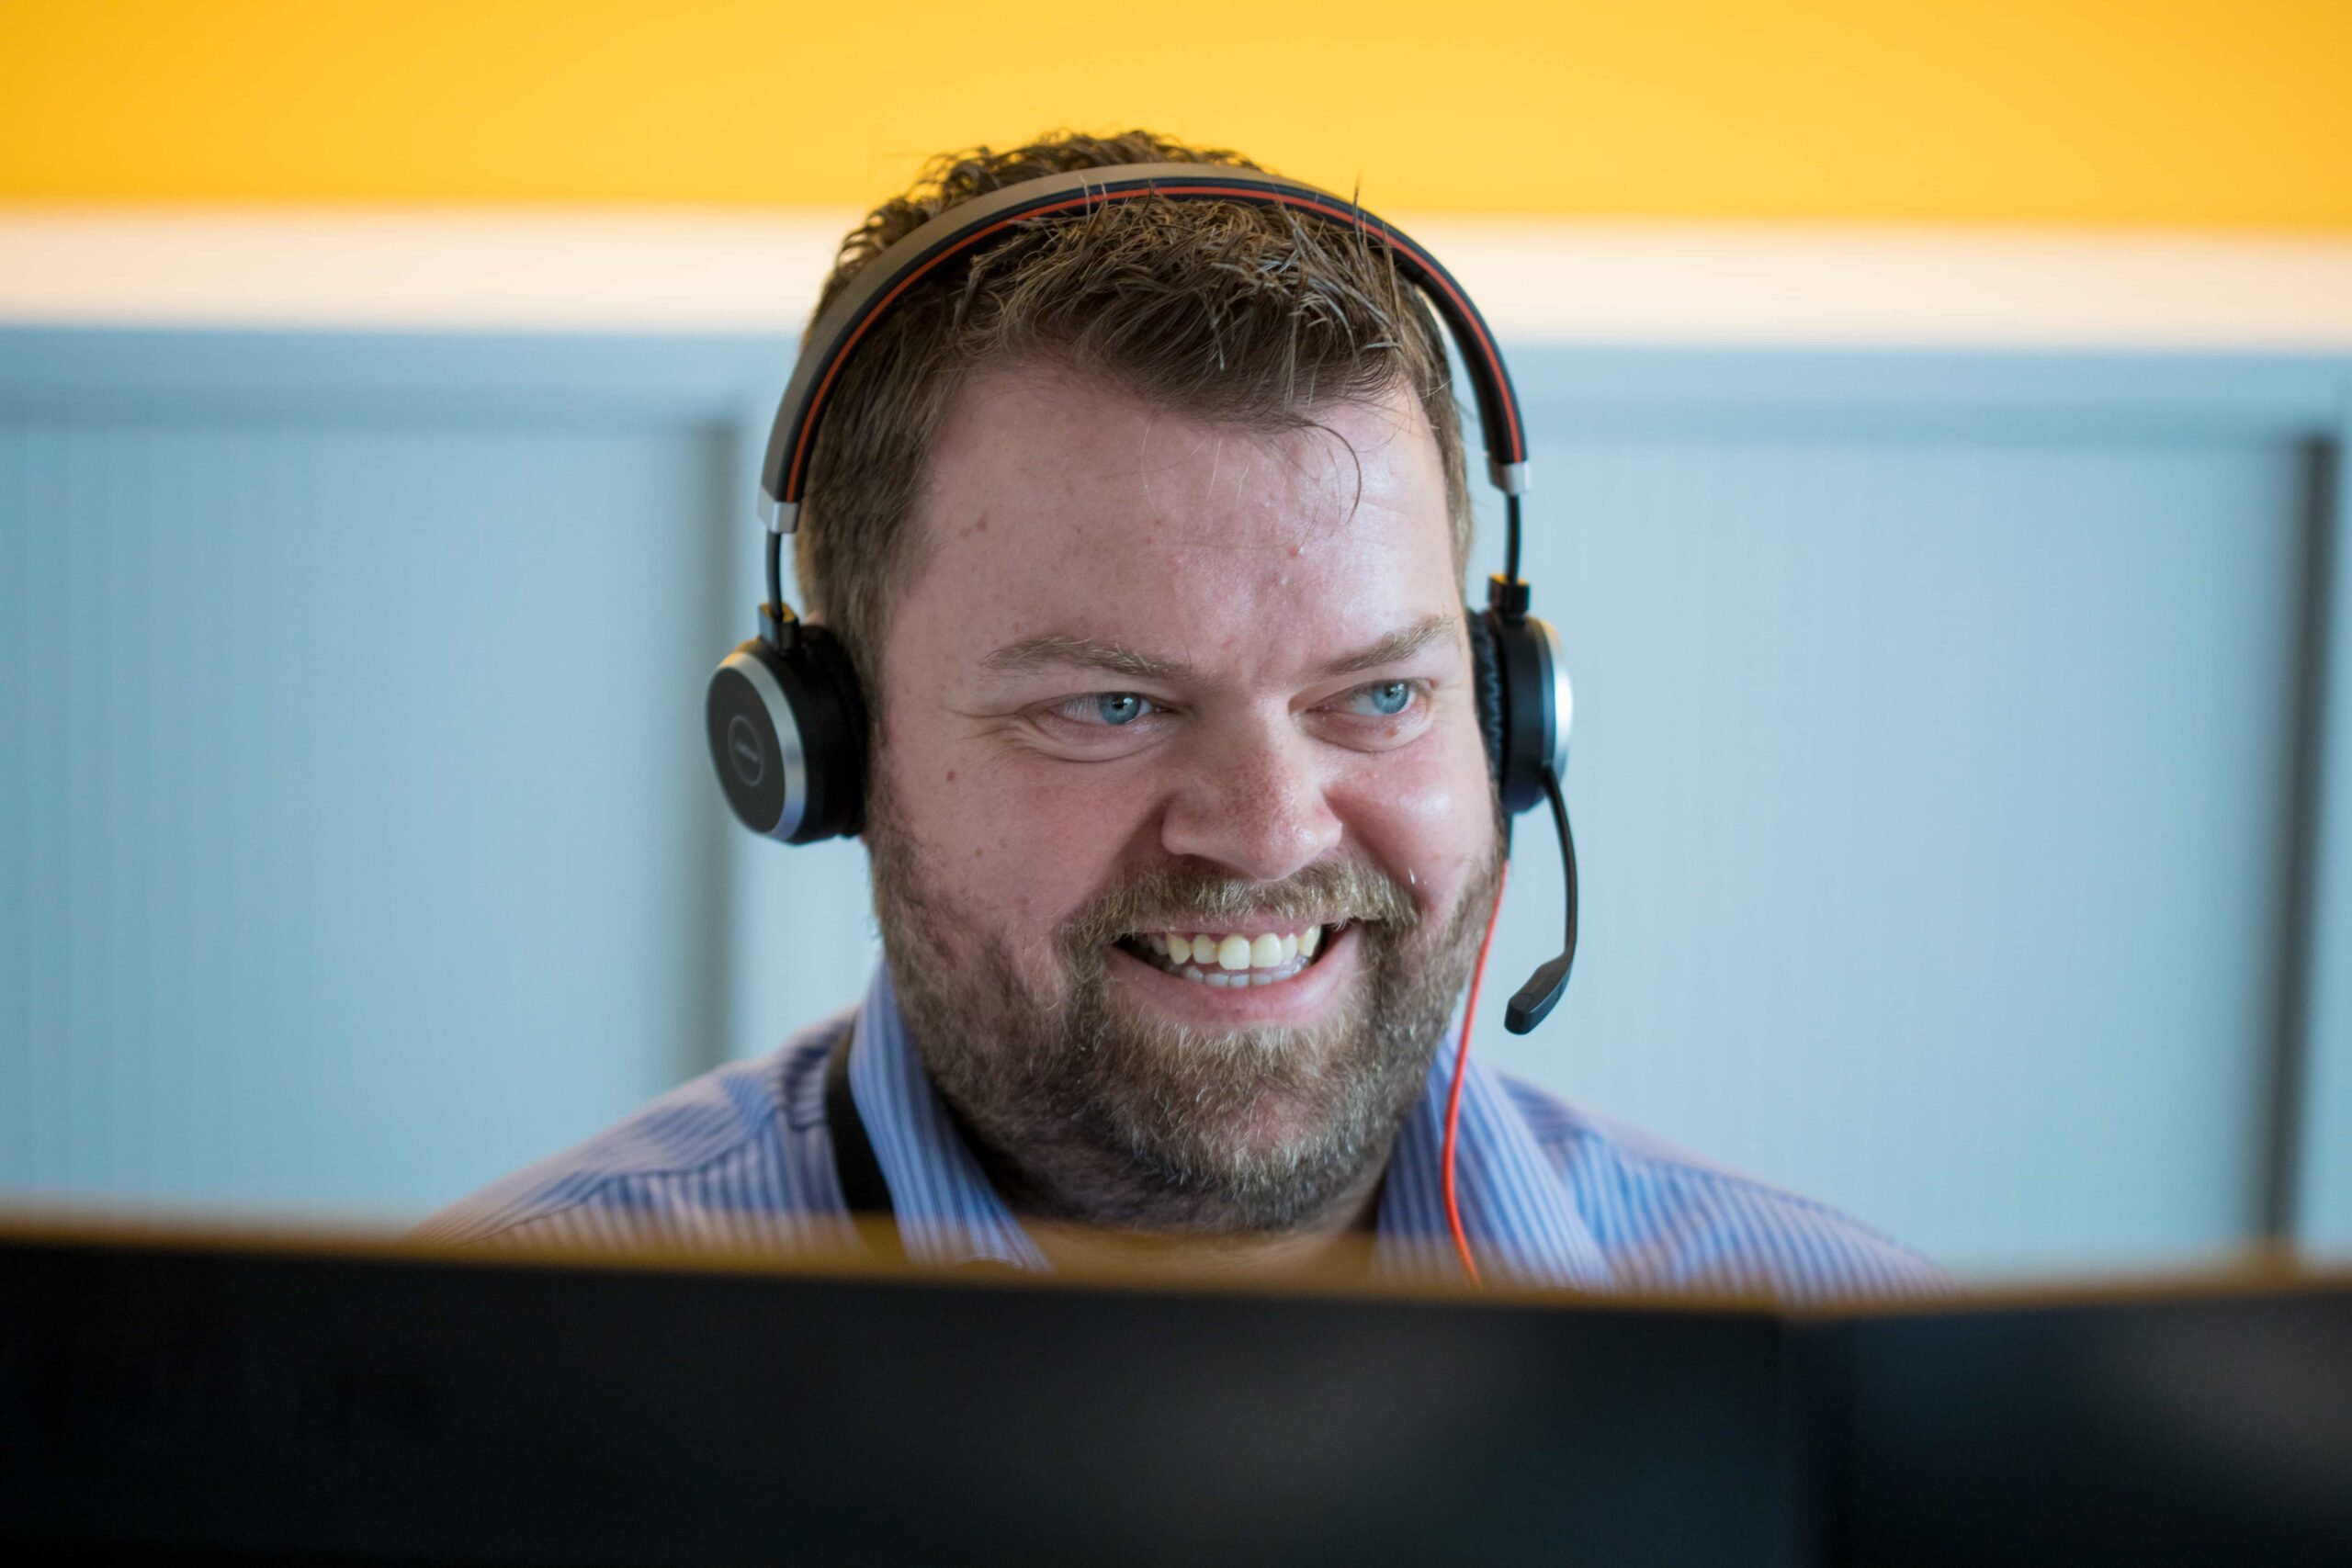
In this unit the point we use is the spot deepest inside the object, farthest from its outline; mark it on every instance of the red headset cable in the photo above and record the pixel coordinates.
(1461, 1066)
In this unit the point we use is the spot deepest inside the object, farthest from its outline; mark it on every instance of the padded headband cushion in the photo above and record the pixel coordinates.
(1486, 689)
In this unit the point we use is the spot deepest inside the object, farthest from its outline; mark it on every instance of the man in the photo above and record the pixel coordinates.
(1144, 535)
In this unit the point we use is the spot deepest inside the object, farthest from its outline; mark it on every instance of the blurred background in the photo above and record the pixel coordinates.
(1939, 420)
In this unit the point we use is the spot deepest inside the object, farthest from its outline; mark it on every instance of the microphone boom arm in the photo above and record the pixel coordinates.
(1541, 993)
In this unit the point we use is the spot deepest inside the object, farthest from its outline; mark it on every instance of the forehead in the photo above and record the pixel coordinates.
(1056, 506)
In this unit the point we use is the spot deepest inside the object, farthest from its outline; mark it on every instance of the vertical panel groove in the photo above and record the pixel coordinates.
(2318, 1157)
(2280, 1184)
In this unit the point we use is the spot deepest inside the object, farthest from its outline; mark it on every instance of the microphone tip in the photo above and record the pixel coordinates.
(1536, 998)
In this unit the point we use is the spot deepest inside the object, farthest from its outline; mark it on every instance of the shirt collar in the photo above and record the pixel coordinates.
(1516, 1209)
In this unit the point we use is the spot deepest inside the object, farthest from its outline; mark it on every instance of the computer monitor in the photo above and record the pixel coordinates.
(172, 1397)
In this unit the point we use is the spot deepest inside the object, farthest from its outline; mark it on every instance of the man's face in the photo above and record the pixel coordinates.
(1165, 686)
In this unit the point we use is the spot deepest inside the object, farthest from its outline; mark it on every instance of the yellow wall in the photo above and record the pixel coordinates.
(2216, 113)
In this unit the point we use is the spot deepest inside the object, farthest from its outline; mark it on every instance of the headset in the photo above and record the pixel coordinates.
(786, 722)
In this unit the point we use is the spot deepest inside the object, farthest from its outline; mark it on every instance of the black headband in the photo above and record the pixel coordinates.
(784, 473)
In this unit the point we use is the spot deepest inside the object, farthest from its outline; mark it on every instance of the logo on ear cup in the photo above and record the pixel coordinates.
(749, 758)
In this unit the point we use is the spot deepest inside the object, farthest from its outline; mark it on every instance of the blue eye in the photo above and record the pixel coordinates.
(1118, 707)
(1387, 699)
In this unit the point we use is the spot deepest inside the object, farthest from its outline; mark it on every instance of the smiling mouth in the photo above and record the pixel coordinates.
(1230, 960)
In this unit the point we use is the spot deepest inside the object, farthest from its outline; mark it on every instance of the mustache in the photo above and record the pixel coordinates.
(1192, 897)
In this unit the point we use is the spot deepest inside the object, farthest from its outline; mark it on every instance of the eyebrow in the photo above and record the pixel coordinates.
(1393, 648)
(1136, 664)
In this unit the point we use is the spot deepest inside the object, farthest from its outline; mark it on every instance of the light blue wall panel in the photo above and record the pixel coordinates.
(801, 928)
(1932, 770)
(1931, 789)
(356, 835)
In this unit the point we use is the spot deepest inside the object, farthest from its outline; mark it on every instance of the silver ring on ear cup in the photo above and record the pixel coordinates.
(755, 743)
(1560, 711)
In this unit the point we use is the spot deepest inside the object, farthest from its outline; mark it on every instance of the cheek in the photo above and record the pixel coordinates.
(1428, 818)
(1017, 843)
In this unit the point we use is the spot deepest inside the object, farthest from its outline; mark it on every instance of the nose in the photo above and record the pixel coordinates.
(1253, 800)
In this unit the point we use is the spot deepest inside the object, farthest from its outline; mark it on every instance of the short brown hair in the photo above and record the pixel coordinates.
(1221, 311)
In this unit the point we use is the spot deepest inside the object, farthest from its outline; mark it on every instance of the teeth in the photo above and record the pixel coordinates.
(1234, 959)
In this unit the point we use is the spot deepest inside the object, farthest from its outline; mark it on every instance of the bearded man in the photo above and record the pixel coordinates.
(1144, 534)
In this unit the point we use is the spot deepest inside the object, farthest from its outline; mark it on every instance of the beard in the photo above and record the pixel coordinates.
(1087, 1109)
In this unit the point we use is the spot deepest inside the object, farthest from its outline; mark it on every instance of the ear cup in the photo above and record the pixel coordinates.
(1486, 689)
(787, 737)
(1537, 705)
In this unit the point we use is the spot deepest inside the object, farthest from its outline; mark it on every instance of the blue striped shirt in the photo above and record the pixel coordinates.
(1549, 1194)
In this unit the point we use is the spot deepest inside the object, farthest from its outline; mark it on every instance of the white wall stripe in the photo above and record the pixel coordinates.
(1722, 284)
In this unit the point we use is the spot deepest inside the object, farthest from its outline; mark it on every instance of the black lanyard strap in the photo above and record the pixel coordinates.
(863, 1186)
